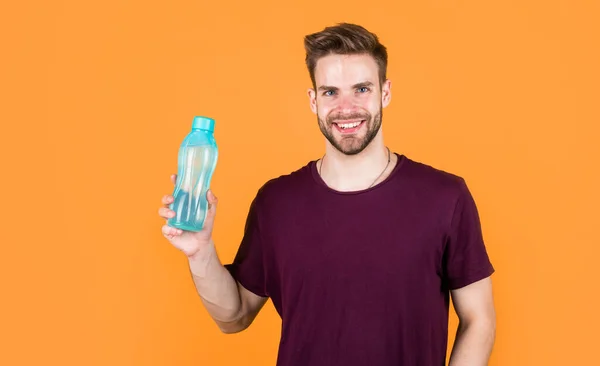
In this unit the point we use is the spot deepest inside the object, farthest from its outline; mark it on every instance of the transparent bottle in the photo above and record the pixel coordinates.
(197, 161)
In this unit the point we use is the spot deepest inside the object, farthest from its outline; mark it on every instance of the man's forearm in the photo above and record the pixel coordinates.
(473, 344)
(215, 285)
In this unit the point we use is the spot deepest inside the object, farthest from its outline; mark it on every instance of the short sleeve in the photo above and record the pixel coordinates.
(465, 258)
(248, 265)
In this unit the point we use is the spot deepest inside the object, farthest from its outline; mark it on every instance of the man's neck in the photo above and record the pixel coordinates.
(356, 172)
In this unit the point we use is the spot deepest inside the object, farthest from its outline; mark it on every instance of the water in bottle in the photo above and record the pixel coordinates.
(197, 160)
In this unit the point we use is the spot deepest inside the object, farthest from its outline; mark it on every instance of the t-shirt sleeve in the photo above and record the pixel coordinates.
(248, 265)
(465, 258)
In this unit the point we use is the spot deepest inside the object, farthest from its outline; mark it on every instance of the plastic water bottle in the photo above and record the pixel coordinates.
(197, 161)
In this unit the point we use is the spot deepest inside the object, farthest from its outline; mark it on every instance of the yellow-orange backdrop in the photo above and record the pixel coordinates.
(96, 97)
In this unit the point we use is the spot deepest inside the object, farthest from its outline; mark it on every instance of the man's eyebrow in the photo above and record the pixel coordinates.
(363, 84)
(357, 85)
(327, 87)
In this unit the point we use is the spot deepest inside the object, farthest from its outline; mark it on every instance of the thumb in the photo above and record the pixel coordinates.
(212, 209)
(212, 199)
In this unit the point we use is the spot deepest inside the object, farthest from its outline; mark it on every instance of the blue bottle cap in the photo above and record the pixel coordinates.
(203, 123)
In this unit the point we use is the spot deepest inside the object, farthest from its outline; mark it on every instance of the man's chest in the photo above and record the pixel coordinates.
(354, 245)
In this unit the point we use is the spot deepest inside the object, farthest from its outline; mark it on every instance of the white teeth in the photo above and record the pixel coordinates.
(349, 125)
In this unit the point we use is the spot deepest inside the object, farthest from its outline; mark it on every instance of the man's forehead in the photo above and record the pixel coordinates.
(346, 70)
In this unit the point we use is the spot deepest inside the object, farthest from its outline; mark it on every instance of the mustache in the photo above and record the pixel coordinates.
(346, 116)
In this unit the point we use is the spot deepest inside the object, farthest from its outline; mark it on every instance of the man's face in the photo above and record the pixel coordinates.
(348, 100)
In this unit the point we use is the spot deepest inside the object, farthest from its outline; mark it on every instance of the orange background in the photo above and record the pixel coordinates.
(96, 98)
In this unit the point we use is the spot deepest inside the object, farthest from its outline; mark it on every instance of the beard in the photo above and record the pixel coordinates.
(352, 144)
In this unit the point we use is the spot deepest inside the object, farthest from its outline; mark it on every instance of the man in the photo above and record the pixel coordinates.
(361, 250)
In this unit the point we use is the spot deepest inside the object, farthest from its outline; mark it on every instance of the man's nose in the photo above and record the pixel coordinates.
(346, 102)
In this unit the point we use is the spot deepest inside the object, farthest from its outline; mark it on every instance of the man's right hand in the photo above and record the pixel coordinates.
(231, 305)
(190, 243)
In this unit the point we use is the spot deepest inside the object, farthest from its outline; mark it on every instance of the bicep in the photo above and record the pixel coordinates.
(474, 301)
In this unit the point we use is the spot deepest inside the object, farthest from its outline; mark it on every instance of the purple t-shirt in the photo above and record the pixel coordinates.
(362, 278)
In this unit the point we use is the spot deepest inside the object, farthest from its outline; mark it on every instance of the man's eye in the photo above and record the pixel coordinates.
(364, 89)
(329, 92)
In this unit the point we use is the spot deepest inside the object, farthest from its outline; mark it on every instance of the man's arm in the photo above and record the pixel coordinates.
(231, 306)
(476, 333)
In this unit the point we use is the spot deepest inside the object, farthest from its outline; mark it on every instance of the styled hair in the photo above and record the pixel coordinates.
(344, 39)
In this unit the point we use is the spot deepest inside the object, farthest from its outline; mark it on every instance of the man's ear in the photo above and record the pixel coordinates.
(386, 93)
(312, 97)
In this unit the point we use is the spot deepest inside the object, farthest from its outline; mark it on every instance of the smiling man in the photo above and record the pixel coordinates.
(362, 250)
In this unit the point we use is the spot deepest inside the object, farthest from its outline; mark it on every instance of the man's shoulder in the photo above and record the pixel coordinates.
(432, 178)
(287, 183)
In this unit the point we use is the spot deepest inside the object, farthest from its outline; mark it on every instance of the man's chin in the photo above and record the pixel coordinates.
(348, 144)
(350, 147)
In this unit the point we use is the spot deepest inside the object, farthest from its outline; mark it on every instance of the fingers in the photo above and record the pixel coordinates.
(166, 200)
(166, 213)
(171, 232)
